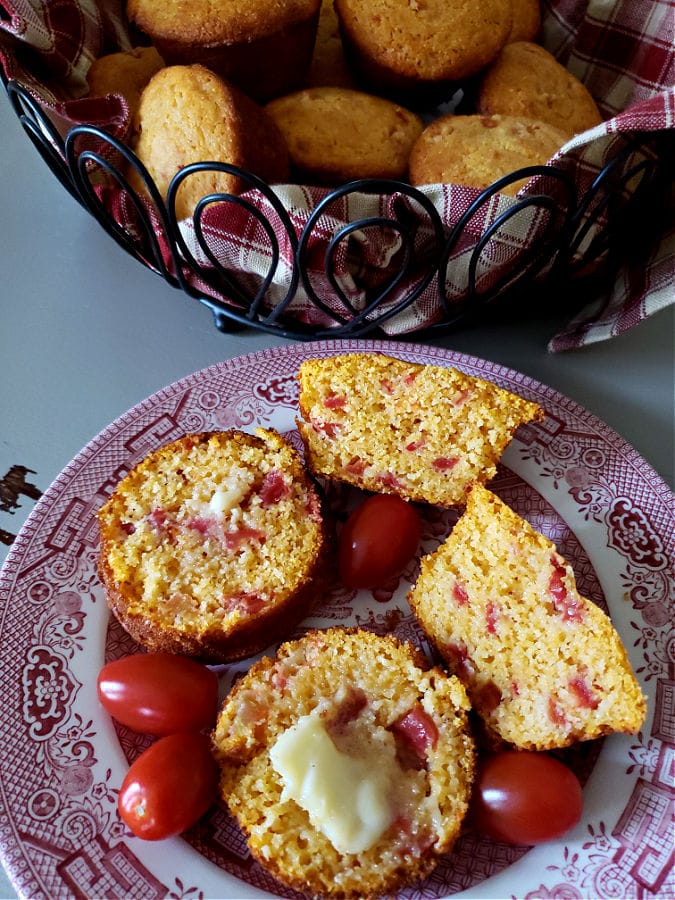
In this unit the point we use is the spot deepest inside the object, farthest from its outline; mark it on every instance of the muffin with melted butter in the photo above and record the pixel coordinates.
(347, 761)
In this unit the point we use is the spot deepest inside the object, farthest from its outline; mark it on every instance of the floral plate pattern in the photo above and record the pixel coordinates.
(63, 758)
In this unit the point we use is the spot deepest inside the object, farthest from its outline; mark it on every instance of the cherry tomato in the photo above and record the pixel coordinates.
(377, 540)
(524, 797)
(169, 786)
(158, 693)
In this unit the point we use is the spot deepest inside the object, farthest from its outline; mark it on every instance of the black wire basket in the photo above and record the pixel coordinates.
(579, 231)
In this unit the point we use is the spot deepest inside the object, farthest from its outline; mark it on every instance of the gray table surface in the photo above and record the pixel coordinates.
(86, 333)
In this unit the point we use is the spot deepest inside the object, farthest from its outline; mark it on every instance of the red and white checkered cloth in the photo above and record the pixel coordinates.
(623, 51)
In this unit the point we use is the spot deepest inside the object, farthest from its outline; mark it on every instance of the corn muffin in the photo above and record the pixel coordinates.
(542, 665)
(188, 114)
(476, 150)
(347, 762)
(337, 134)
(423, 432)
(526, 20)
(419, 46)
(527, 81)
(211, 546)
(125, 73)
(263, 47)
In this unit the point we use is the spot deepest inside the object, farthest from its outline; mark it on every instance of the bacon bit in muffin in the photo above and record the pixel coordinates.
(252, 708)
(234, 539)
(556, 712)
(416, 732)
(334, 401)
(459, 594)
(245, 603)
(583, 693)
(286, 669)
(461, 397)
(178, 605)
(355, 466)
(416, 445)
(313, 507)
(413, 843)
(349, 708)
(279, 680)
(205, 525)
(491, 617)
(567, 605)
(389, 480)
(157, 518)
(274, 488)
(329, 429)
(444, 463)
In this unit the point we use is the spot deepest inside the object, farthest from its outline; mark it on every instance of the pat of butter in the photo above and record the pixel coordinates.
(347, 796)
(226, 498)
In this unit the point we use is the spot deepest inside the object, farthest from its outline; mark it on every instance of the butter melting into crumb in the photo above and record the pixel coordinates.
(347, 796)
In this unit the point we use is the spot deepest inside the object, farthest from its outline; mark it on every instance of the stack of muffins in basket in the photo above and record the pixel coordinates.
(328, 91)
(348, 756)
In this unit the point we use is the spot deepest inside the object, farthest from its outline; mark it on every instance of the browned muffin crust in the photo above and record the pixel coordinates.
(188, 114)
(126, 72)
(527, 81)
(412, 48)
(476, 150)
(526, 20)
(264, 47)
(337, 134)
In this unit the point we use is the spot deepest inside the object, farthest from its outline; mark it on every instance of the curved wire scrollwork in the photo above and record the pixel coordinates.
(411, 213)
(628, 173)
(142, 242)
(342, 302)
(42, 133)
(555, 206)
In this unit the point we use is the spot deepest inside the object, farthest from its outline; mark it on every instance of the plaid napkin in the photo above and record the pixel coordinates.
(623, 51)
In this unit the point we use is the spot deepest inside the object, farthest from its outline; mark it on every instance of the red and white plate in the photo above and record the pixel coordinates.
(63, 758)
